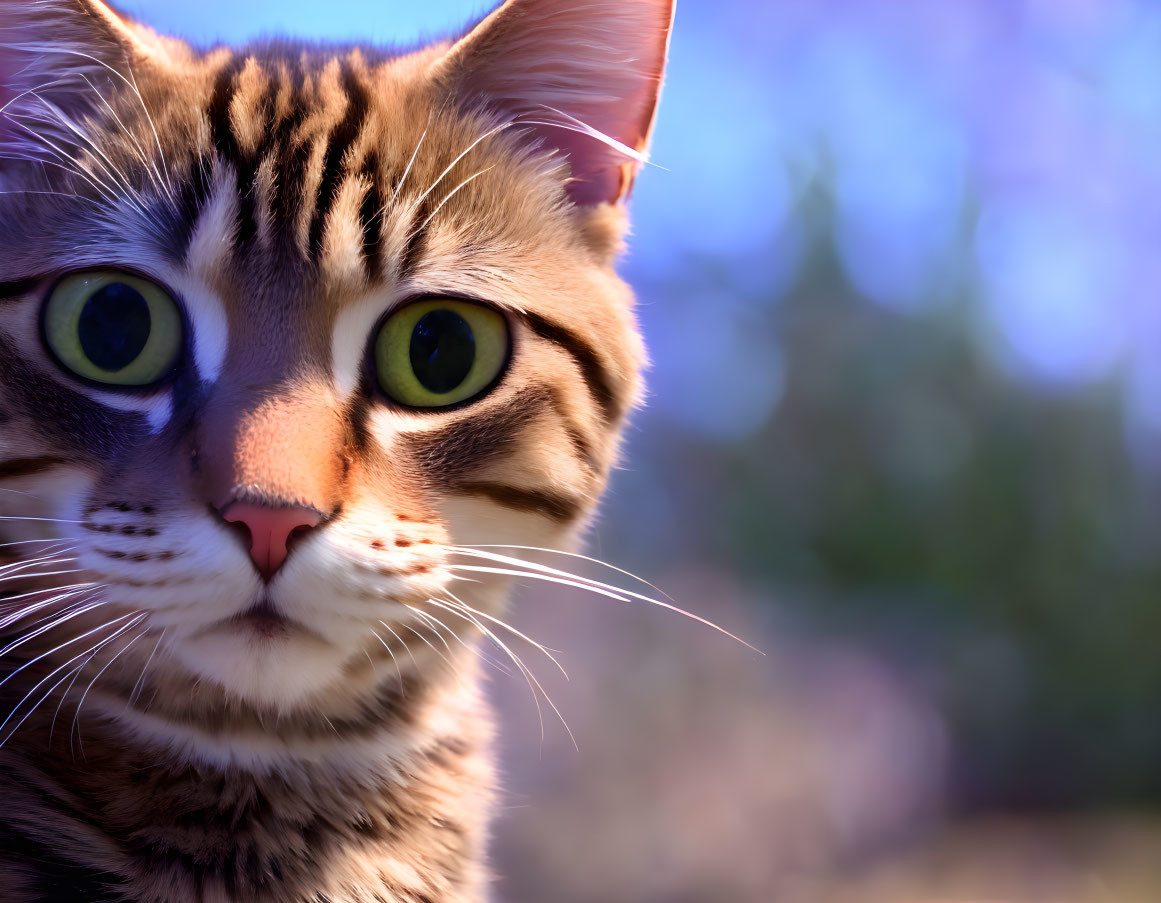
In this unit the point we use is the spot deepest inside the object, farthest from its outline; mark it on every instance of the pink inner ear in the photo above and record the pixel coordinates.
(583, 77)
(601, 167)
(591, 182)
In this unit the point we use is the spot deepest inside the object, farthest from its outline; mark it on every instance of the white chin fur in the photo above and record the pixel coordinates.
(281, 671)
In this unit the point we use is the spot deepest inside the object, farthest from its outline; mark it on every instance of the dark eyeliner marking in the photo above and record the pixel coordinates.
(473, 441)
(585, 356)
(19, 287)
(22, 467)
(62, 412)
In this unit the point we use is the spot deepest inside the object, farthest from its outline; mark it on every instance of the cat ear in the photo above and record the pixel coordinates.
(583, 75)
(63, 54)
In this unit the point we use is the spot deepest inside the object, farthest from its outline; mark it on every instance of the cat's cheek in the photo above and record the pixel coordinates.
(44, 505)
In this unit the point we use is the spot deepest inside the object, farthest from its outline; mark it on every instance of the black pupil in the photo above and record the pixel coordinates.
(443, 350)
(114, 326)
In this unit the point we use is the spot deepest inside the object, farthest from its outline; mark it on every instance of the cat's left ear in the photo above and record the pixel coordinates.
(583, 77)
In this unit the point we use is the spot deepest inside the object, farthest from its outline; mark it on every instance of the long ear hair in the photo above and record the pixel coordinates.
(584, 76)
(57, 59)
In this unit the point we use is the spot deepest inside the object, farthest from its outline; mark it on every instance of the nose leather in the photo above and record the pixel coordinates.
(272, 531)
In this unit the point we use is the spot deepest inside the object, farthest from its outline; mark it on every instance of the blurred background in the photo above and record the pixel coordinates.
(899, 270)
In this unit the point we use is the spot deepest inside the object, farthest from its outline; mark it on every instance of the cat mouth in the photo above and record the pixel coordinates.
(264, 620)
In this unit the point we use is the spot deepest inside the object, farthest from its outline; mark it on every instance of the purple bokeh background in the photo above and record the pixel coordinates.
(984, 170)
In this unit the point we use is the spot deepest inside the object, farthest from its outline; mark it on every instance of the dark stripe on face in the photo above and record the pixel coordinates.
(23, 467)
(290, 158)
(412, 252)
(341, 139)
(19, 288)
(595, 375)
(581, 445)
(538, 501)
(195, 191)
(371, 218)
(473, 441)
(222, 133)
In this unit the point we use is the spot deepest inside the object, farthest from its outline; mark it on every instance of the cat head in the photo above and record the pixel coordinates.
(286, 330)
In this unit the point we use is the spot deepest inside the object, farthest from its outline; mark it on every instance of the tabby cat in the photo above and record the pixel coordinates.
(294, 339)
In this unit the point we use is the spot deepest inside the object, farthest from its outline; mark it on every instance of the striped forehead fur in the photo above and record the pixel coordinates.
(160, 741)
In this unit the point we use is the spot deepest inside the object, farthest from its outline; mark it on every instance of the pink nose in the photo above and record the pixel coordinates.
(272, 531)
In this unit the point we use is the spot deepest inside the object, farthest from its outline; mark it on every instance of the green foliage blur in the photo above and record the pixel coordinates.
(995, 539)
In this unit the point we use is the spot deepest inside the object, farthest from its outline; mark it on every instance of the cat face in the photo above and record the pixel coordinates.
(284, 331)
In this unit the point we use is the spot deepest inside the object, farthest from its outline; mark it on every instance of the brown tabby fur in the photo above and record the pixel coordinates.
(288, 196)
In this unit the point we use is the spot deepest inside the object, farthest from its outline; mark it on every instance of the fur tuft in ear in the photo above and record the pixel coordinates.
(583, 75)
(58, 58)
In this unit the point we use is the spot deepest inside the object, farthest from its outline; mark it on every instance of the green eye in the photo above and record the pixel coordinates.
(113, 328)
(431, 354)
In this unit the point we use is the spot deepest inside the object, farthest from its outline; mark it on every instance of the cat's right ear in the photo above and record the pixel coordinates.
(61, 56)
(581, 79)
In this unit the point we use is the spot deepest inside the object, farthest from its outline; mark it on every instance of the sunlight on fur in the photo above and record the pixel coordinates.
(306, 353)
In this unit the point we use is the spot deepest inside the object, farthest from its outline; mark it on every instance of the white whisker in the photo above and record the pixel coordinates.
(576, 555)
(472, 647)
(85, 695)
(544, 649)
(91, 177)
(452, 165)
(428, 643)
(406, 170)
(449, 196)
(528, 675)
(114, 172)
(44, 520)
(406, 648)
(154, 174)
(32, 47)
(564, 578)
(93, 650)
(140, 685)
(36, 592)
(402, 690)
(35, 607)
(87, 607)
(431, 622)
(152, 126)
(572, 124)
